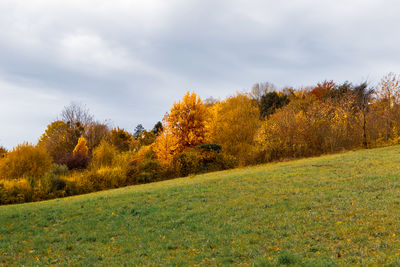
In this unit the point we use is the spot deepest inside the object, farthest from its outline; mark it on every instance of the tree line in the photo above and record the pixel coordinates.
(77, 154)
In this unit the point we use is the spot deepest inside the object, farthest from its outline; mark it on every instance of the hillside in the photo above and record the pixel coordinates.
(336, 209)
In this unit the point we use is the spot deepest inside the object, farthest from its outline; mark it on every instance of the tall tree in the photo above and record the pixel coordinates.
(233, 124)
(271, 101)
(95, 132)
(157, 129)
(388, 96)
(76, 114)
(186, 121)
(59, 139)
(138, 131)
(120, 139)
(362, 96)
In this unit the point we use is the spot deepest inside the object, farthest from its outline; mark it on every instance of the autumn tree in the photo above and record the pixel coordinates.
(95, 132)
(322, 90)
(388, 102)
(233, 125)
(103, 155)
(121, 139)
(165, 147)
(362, 97)
(76, 114)
(138, 131)
(158, 127)
(81, 148)
(25, 161)
(146, 138)
(59, 139)
(186, 121)
(260, 89)
(3, 152)
(271, 101)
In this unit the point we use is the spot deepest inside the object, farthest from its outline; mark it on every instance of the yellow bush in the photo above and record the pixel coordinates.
(103, 155)
(81, 148)
(15, 191)
(25, 161)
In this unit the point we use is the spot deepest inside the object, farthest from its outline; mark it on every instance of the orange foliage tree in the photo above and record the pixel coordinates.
(81, 148)
(186, 121)
(184, 127)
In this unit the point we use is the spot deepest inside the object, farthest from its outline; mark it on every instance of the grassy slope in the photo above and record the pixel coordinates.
(338, 209)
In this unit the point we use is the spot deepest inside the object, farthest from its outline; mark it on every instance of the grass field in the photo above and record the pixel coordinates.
(333, 210)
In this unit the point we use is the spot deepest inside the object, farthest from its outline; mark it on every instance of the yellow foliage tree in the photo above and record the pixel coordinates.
(233, 124)
(165, 147)
(81, 148)
(103, 155)
(186, 121)
(25, 161)
(388, 103)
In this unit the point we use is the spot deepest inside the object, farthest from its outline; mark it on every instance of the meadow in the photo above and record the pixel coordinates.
(340, 209)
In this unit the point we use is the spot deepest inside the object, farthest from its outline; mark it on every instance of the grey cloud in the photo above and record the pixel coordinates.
(129, 60)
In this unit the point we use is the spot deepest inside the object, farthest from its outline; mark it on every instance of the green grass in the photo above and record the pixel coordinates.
(334, 210)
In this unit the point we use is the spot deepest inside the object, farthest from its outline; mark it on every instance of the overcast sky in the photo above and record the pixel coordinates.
(129, 60)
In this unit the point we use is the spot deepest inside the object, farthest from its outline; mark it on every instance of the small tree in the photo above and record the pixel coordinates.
(158, 127)
(120, 139)
(81, 148)
(138, 131)
(271, 101)
(103, 155)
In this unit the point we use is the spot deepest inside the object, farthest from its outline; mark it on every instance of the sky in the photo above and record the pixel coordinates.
(129, 60)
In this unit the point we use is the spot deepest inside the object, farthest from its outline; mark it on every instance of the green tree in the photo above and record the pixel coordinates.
(157, 129)
(138, 131)
(271, 101)
(120, 139)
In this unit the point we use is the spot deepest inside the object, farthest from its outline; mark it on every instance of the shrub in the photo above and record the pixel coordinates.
(24, 161)
(15, 191)
(49, 186)
(121, 139)
(143, 171)
(75, 162)
(209, 147)
(122, 160)
(186, 163)
(204, 158)
(59, 169)
(104, 178)
(103, 155)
